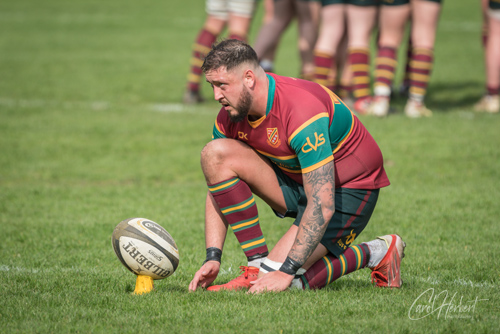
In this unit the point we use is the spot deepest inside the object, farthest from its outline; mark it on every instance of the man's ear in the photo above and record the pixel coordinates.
(249, 78)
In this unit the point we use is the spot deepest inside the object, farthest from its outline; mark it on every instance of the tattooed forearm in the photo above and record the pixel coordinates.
(319, 186)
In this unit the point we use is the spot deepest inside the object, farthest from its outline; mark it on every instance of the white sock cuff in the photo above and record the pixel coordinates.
(269, 265)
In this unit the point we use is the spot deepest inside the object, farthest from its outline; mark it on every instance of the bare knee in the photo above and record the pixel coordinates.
(215, 158)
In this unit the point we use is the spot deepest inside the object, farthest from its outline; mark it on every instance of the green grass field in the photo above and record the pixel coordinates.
(92, 132)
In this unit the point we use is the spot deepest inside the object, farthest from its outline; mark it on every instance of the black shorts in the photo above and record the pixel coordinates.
(353, 209)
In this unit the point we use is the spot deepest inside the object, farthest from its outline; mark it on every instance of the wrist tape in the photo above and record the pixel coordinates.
(213, 254)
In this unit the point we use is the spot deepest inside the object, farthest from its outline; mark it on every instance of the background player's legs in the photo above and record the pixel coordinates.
(330, 35)
(308, 17)
(392, 21)
(238, 26)
(360, 23)
(491, 100)
(425, 17)
(212, 28)
(270, 32)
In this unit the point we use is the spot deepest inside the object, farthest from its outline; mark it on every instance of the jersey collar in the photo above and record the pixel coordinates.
(270, 93)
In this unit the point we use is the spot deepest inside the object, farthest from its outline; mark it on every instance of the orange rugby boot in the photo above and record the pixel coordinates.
(249, 274)
(387, 272)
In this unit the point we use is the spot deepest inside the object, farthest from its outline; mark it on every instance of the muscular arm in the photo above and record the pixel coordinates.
(319, 186)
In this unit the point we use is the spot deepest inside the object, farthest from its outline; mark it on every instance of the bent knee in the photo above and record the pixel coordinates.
(219, 151)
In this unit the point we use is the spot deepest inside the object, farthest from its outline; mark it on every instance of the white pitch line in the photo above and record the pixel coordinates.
(96, 105)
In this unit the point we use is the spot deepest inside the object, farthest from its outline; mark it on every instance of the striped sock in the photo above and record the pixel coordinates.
(323, 63)
(330, 268)
(237, 204)
(359, 60)
(200, 49)
(420, 72)
(385, 67)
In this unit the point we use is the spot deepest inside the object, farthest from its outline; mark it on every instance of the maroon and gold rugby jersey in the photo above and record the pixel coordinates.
(305, 127)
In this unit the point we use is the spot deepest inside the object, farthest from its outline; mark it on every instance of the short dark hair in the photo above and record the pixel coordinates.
(229, 53)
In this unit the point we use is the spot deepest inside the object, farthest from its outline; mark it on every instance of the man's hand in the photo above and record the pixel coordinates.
(273, 281)
(205, 276)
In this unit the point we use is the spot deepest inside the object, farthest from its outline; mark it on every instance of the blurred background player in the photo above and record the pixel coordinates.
(330, 48)
(307, 14)
(424, 23)
(237, 16)
(361, 19)
(393, 17)
(490, 102)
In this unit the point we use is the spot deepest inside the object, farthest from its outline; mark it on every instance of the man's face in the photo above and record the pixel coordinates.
(231, 92)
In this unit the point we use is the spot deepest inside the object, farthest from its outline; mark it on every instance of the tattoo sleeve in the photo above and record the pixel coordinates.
(319, 186)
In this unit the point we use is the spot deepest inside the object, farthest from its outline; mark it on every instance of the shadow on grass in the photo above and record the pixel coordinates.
(445, 97)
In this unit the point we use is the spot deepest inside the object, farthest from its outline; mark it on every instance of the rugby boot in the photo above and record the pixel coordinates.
(249, 274)
(387, 273)
(362, 105)
(379, 106)
(416, 109)
(488, 103)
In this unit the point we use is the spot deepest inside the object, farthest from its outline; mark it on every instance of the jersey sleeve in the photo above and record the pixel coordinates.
(219, 128)
(311, 142)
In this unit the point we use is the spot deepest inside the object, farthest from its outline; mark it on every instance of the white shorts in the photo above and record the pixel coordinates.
(494, 13)
(222, 8)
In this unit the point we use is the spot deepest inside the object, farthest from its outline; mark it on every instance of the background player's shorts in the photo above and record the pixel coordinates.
(394, 2)
(363, 3)
(353, 209)
(222, 8)
(333, 2)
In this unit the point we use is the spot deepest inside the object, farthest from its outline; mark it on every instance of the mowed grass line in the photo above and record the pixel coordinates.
(83, 147)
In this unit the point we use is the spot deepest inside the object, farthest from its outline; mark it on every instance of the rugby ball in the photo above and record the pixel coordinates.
(145, 248)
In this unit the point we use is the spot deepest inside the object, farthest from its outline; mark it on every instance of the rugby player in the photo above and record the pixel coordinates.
(297, 146)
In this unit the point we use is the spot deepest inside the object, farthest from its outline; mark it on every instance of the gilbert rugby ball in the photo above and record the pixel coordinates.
(145, 248)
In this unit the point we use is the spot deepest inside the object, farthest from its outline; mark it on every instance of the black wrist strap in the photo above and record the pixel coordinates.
(290, 266)
(213, 254)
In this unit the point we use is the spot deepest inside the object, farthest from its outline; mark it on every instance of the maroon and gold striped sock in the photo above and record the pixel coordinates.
(385, 67)
(359, 60)
(200, 49)
(323, 64)
(420, 72)
(237, 204)
(330, 268)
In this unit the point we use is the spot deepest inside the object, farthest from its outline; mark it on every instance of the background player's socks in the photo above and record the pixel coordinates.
(237, 204)
(420, 72)
(385, 67)
(323, 64)
(329, 268)
(359, 60)
(200, 48)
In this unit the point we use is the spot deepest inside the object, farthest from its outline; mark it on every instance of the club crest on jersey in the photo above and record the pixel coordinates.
(272, 137)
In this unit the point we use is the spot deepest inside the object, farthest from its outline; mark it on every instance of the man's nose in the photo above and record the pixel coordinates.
(217, 93)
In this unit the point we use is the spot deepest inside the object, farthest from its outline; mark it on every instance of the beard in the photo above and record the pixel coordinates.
(242, 107)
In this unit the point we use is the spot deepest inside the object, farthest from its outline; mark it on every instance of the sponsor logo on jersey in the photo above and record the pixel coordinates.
(272, 137)
(242, 135)
(318, 141)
